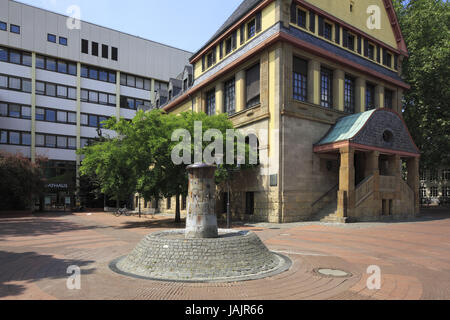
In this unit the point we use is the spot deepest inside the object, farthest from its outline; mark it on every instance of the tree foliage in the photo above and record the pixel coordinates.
(425, 26)
(21, 181)
(139, 159)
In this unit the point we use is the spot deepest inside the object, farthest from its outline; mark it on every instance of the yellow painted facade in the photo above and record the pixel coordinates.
(293, 182)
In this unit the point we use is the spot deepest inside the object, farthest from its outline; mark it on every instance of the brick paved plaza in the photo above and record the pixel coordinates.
(414, 258)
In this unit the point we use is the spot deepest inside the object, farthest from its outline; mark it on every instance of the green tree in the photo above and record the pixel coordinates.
(425, 26)
(142, 155)
(21, 181)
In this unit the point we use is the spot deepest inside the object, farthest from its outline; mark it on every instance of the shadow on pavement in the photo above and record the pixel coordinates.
(153, 224)
(32, 267)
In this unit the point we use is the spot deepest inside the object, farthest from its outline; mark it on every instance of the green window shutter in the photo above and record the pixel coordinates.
(321, 26)
(293, 12)
(243, 34)
(312, 22)
(258, 21)
(338, 34)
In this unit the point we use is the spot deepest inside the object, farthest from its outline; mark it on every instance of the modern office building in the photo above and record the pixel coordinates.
(59, 82)
(319, 82)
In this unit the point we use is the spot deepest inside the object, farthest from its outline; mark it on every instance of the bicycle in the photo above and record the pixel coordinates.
(122, 211)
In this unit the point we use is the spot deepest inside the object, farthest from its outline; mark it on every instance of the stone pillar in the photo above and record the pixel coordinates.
(414, 182)
(240, 91)
(338, 89)
(360, 95)
(399, 101)
(346, 193)
(314, 82)
(379, 96)
(373, 169)
(219, 98)
(201, 220)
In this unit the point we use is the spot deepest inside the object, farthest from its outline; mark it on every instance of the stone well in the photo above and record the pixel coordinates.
(201, 252)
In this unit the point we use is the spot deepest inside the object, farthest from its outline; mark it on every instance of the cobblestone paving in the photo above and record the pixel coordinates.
(414, 258)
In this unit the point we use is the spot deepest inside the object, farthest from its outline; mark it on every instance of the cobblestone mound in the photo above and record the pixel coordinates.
(234, 256)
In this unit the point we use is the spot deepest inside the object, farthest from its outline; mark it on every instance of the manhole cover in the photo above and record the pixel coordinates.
(333, 273)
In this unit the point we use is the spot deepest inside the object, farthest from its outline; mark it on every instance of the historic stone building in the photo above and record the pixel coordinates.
(319, 83)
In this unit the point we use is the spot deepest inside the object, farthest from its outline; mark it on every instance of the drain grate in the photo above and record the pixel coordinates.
(333, 273)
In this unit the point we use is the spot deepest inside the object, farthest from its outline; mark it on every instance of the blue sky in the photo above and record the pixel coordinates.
(179, 23)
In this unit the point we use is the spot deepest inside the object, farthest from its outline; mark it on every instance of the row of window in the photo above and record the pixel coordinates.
(56, 65)
(434, 176)
(98, 74)
(300, 80)
(50, 115)
(56, 90)
(350, 40)
(52, 38)
(15, 83)
(97, 97)
(12, 27)
(16, 138)
(15, 56)
(135, 82)
(133, 103)
(434, 192)
(95, 50)
(229, 102)
(247, 31)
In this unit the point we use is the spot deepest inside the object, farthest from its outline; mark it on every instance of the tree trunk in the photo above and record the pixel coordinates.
(118, 203)
(177, 209)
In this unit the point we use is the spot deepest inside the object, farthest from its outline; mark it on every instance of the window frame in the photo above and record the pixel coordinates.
(14, 26)
(51, 38)
(326, 75)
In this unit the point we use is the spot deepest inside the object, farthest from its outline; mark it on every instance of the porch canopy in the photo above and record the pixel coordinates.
(381, 130)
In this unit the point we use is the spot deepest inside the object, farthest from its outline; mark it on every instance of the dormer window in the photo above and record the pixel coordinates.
(328, 31)
(371, 51)
(210, 59)
(349, 40)
(228, 45)
(170, 95)
(185, 84)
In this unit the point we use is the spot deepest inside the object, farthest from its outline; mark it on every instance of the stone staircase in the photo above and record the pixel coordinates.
(328, 214)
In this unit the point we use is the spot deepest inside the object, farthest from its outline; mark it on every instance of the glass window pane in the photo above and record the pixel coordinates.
(63, 41)
(84, 119)
(123, 78)
(62, 142)
(3, 82)
(26, 112)
(83, 142)
(72, 93)
(3, 109)
(50, 89)
(40, 114)
(139, 83)
(72, 69)
(3, 54)
(14, 138)
(14, 56)
(50, 115)
(103, 75)
(131, 81)
(147, 85)
(62, 116)
(112, 77)
(50, 141)
(14, 83)
(51, 38)
(100, 120)
(40, 140)
(51, 64)
(103, 98)
(3, 137)
(26, 85)
(93, 96)
(130, 103)
(14, 29)
(62, 67)
(93, 121)
(84, 95)
(40, 87)
(71, 117)
(112, 99)
(84, 71)
(14, 110)
(72, 143)
(40, 62)
(93, 73)
(26, 139)
(62, 91)
(26, 59)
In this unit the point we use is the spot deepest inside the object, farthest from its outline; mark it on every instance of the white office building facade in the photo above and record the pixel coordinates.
(57, 84)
